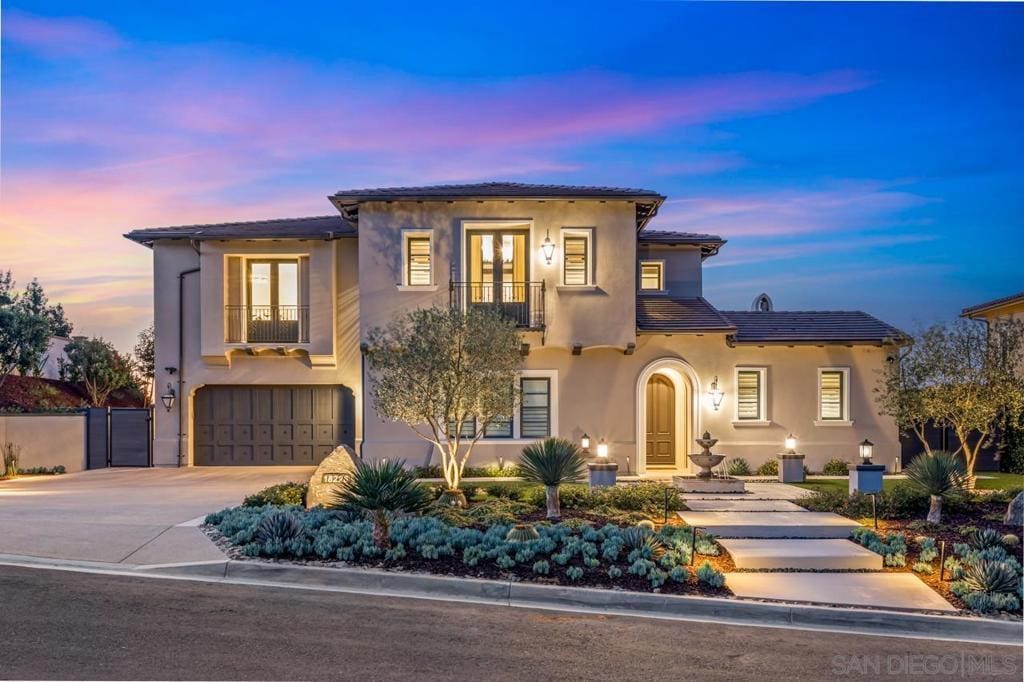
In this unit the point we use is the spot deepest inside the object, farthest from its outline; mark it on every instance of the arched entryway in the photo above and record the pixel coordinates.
(667, 415)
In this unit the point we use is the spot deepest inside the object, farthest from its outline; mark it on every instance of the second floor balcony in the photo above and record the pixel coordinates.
(267, 323)
(521, 302)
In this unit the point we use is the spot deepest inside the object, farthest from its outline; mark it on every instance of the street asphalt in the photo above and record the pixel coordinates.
(67, 625)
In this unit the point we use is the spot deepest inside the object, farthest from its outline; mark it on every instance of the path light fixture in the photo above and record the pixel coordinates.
(866, 448)
(168, 398)
(602, 448)
(548, 248)
(585, 444)
(715, 394)
(790, 444)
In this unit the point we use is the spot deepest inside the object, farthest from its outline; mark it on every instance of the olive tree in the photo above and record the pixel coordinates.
(448, 374)
(98, 366)
(964, 376)
(145, 360)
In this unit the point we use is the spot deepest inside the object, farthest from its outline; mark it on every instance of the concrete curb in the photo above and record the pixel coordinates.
(618, 602)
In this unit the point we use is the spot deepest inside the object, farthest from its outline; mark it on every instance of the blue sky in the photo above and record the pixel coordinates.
(856, 156)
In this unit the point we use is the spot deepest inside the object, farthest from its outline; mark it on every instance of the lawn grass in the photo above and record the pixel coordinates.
(840, 484)
(997, 480)
(986, 480)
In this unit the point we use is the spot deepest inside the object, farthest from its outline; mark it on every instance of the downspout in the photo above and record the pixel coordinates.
(363, 348)
(182, 456)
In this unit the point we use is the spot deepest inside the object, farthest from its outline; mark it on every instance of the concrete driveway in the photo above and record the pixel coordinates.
(127, 516)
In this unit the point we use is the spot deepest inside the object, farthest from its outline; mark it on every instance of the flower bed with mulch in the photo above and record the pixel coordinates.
(574, 552)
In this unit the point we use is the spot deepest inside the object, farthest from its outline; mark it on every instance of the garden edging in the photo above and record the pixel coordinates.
(620, 602)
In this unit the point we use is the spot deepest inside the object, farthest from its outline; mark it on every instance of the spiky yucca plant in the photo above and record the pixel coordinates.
(381, 489)
(641, 537)
(984, 538)
(940, 475)
(552, 462)
(991, 577)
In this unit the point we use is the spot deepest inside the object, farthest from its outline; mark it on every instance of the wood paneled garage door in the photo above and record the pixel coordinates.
(271, 425)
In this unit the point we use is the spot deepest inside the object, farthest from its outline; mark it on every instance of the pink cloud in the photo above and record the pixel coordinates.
(59, 36)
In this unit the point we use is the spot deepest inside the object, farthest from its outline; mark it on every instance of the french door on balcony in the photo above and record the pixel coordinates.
(499, 270)
(273, 301)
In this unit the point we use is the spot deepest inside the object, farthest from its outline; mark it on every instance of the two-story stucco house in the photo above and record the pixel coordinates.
(258, 329)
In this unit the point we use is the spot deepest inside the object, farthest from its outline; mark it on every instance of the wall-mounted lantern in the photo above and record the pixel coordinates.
(866, 448)
(548, 248)
(715, 394)
(168, 398)
(585, 444)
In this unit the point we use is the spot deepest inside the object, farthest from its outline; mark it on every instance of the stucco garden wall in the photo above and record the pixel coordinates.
(46, 440)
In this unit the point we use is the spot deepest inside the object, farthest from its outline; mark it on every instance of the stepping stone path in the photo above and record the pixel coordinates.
(764, 531)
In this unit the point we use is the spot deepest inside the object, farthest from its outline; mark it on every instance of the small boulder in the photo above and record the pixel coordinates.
(335, 470)
(1015, 511)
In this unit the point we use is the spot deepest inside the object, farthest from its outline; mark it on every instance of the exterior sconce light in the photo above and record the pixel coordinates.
(168, 398)
(866, 449)
(585, 444)
(715, 394)
(790, 444)
(548, 248)
(602, 448)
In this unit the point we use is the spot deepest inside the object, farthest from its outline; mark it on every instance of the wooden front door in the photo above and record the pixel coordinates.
(661, 422)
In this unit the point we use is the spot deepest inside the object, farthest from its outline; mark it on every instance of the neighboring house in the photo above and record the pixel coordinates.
(622, 344)
(1006, 307)
(50, 361)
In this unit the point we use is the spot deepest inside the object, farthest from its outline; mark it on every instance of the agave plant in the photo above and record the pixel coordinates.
(984, 538)
(552, 462)
(382, 489)
(642, 538)
(991, 577)
(280, 526)
(939, 474)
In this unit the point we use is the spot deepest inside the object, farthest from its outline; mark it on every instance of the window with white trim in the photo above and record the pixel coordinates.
(652, 275)
(537, 411)
(577, 256)
(417, 258)
(834, 394)
(750, 394)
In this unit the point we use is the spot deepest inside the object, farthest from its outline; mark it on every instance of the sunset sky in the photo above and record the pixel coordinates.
(855, 156)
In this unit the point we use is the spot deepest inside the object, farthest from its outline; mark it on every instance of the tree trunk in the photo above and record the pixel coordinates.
(381, 534)
(554, 506)
(935, 510)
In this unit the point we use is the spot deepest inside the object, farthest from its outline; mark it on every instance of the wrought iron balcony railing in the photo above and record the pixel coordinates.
(521, 302)
(267, 323)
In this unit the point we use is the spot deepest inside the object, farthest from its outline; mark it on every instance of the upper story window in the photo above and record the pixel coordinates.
(265, 301)
(577, 257)
(750, 394)
(834, 395)
(417, 258)
(652, 275)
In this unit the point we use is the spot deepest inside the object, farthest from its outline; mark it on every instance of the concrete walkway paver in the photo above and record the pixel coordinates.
(811, 555)
(787, 524)
(125, 515)
(744, 505)
(883, 590)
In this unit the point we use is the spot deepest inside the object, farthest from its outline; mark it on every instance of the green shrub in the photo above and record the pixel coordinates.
(1010, 540)
(737, 466)
(922, 567)
(707, 574)
(836, 467)
(769, 468)
(278, 495)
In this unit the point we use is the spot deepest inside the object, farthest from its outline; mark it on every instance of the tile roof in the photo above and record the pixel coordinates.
(709, 243)
(314, 227)
(494, 190)
(664, 314)
(831, 326)
(647, 201)
(982, 307)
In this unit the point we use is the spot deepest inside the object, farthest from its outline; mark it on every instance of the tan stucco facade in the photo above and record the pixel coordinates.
(353, 285)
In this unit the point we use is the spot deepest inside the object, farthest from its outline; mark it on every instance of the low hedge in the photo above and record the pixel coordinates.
(281, 494)
(899, 502)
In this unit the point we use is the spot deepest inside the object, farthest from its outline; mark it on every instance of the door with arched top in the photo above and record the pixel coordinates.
(661, 422)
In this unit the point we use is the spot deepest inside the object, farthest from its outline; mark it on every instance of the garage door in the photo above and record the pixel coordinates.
(271, 425)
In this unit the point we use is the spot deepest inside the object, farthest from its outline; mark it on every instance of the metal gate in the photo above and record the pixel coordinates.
(119, 437)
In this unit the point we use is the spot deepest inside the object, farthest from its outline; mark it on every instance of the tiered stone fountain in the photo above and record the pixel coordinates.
(706, 481)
